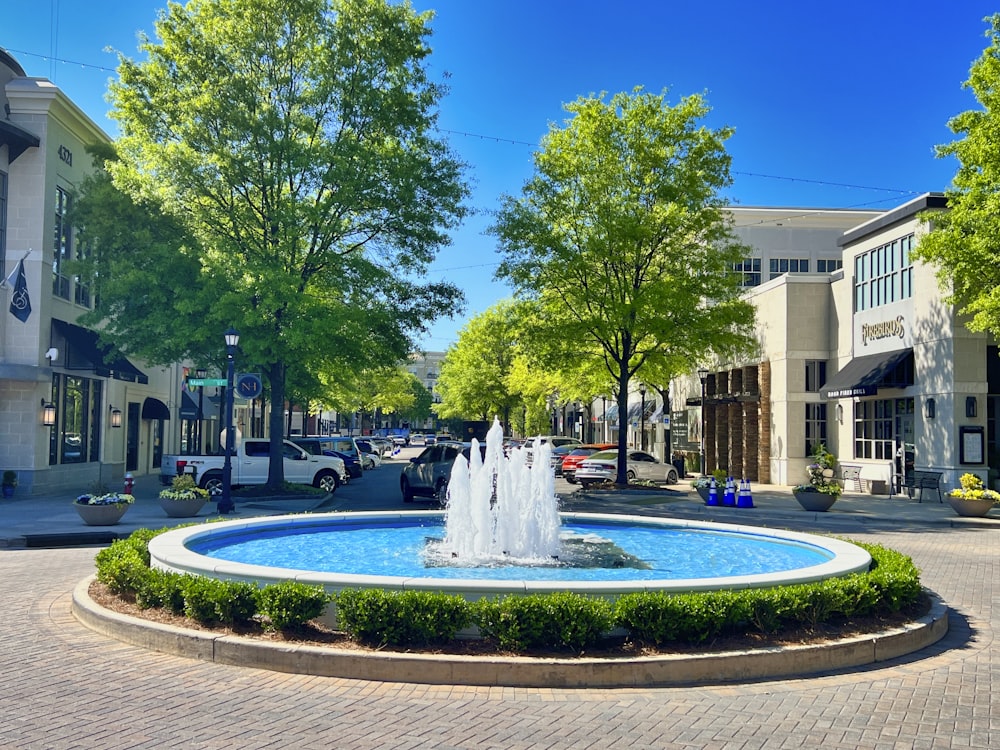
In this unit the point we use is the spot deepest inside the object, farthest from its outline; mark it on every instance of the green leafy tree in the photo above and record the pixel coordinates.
(294, 141)
(964, 241)
(473, 379)
(622, 238)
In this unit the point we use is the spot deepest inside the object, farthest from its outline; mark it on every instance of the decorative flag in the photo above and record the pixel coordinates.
(20, 305)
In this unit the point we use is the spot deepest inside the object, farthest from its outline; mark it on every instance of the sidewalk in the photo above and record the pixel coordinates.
(51, 521)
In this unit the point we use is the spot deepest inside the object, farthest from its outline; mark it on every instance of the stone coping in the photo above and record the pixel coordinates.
(516, 671)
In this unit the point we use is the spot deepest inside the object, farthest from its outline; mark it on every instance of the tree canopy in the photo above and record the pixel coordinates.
(622, 238)
(293, 141)
(964, 241)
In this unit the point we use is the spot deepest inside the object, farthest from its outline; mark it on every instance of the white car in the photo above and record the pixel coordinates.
(371, 456)
(603, 467)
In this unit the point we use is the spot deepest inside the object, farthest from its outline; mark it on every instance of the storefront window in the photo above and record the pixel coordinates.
(76, 435)
(875, 429)
(815, 426)
(883, 275)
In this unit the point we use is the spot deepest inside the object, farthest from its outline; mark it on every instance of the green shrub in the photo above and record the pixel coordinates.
(121, 566)
(401, 618)
(237, 602)
(290, 604)
(657, 617)
(561, 620)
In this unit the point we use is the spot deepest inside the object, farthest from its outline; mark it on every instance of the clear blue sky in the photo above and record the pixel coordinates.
(828, 101)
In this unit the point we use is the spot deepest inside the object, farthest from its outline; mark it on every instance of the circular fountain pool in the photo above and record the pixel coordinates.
(390, 550)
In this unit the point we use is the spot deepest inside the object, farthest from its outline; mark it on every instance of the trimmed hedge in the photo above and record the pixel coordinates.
(560, 621)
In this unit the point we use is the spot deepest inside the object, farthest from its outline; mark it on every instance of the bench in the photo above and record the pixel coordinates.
(851, 474)
(923, 480)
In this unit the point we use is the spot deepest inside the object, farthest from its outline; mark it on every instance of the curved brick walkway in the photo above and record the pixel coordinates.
(62, 686)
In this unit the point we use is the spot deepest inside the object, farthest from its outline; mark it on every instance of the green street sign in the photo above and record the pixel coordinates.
(196, 382)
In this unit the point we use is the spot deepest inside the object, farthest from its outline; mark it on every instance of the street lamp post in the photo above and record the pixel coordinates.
(604, 419)
(226, 504)
(200, 424)
(642, 417)
(703, 377)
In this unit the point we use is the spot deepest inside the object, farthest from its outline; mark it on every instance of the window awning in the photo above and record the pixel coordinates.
(611, 413)
(863, 376)
(83, 351)
(17, 139)
(635, 410)
(189, 407)
(153, 408)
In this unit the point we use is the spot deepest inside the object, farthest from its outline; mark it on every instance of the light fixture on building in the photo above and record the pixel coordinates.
(970, 406)
(930, 408)
(840, 413)
(116, 416)
(48, 413)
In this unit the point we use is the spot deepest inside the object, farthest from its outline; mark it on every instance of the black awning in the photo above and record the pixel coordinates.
(189, 407)
(17, 139)
(863, 376)
(83, 351)
(153, 408)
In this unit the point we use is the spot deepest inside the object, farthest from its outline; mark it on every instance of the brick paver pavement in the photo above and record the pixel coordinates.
(63, 686)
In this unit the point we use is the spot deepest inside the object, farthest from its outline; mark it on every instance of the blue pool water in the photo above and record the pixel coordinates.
(396, 549)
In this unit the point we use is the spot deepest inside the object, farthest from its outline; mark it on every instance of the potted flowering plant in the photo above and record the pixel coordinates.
(822, 490)
(184, 498)
(99, 508)
(972, 498)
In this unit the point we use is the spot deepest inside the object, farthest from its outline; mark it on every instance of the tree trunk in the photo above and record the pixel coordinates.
(276, 466)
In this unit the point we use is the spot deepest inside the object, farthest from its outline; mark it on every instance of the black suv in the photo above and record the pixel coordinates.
(326, 446)
(428, 473)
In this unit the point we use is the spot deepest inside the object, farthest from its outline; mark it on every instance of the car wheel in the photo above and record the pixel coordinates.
(212, 481)
(570, 478)
(370, 464)
(671, 476)
(404, 486)
(630, 476)
(441, 492)
(326, 481)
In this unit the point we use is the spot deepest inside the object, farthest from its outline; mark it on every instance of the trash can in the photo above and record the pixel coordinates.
(679, 465)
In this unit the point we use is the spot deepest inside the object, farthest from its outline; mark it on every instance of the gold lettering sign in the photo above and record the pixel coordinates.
(885, 329)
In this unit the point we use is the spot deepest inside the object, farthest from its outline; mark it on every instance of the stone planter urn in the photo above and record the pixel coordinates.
(971, 507)
(703, 493)
(101, 515)
(181, 508)
(817, 502)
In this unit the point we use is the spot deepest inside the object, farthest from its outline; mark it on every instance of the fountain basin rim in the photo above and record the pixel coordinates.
(169, 551)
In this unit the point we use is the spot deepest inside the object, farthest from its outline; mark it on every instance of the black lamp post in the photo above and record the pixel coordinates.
(642, 417)
(199, 425)
(604, 419)
(703, 376)
(226, 504)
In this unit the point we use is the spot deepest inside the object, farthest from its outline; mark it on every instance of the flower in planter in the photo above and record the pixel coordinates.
(821, 473)
(702, 483)
(183, 488)
(973, 489)
(110, 498)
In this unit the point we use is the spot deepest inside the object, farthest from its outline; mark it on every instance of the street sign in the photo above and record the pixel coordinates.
(196, 382)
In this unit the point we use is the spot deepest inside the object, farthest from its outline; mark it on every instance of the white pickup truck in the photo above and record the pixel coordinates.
(250, 465)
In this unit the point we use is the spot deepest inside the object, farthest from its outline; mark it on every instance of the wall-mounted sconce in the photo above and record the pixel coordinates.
(116, 417)
(48, 414)
(970, 406)
(930, 408)
(840, 413)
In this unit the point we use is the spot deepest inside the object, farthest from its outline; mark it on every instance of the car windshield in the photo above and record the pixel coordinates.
(583, 451)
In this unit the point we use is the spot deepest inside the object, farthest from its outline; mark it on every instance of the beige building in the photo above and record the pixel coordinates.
(868, 360)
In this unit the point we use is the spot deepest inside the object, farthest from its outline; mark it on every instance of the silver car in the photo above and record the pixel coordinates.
(603, 467)
(427, 474)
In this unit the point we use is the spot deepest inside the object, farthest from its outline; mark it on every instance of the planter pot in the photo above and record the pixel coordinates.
(101, 515)
(8, 490)
(181, 508)
(703, 492)
(970, 507)
(816, 502)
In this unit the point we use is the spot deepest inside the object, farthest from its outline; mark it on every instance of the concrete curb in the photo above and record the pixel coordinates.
(502, 671)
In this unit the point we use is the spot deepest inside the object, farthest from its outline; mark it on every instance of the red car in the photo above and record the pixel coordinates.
(575, 456)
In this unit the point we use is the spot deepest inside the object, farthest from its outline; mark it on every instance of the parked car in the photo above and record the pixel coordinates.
(338, 443)
(553, 440)
(333, 446)
(382, 444)
(603, 467)
(430, 439)
(572, 459)
(401, 440)
(418, 439)
(556, 458)
(371, 456)
(427, 474)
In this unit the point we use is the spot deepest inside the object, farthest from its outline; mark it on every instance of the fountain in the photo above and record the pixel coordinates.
(502, 533)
